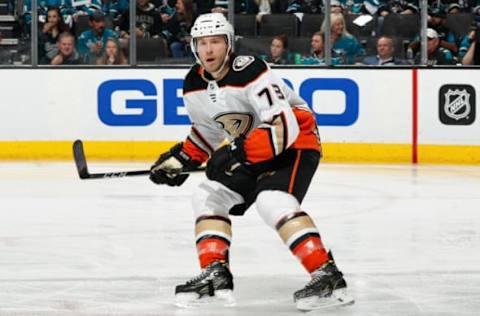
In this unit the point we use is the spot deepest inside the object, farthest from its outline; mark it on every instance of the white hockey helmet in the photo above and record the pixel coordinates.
(211, 24)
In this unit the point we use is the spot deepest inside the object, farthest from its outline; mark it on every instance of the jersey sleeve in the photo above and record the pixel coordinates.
(202, 142)
(204, 137)
(278, 128)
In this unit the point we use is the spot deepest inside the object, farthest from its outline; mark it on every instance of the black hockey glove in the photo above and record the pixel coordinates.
(165, 169)
(226, 159)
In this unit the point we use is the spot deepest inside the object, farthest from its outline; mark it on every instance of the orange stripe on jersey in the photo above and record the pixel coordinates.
(308, 137)
(193, 91)
(258, 146)
(294, 172)
(283, 127)
(211, 250)
(266, 142)
(311, 253)
(195, 152)
(197, 135)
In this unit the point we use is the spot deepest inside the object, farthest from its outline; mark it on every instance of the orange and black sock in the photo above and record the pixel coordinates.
(301, 235)
(213, 235)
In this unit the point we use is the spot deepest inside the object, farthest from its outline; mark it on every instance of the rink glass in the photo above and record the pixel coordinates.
(20, 38)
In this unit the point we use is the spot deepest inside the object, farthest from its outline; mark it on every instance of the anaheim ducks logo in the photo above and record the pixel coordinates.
(235, 124)
(241, 62)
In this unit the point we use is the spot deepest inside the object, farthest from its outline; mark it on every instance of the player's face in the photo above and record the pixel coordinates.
(212, 51)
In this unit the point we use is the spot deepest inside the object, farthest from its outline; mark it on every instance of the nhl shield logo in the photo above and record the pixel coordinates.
(457, 104)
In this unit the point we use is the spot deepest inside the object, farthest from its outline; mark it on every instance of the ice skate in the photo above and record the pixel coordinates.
(214, 286)
(326, 289)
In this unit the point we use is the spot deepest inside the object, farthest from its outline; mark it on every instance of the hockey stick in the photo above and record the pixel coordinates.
(82, 168)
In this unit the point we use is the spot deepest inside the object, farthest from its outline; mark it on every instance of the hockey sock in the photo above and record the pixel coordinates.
(300, 234)
(213, 235)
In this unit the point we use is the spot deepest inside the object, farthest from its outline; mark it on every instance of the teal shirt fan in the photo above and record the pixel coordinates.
(347, 48)
(91, 44)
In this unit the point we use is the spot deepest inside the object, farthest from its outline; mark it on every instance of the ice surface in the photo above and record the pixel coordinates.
(407, 239)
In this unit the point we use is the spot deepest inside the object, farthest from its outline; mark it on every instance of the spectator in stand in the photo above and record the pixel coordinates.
(447, 38)
(148, 22)
(221, 6)
(467, 40)
(344, 45)
(48, 38)
(264, 8)
(406, 7)
(278, 51)
(304, 6)
(316, 56)
(112, 55)
(438, 22)
(317, 46)
(355, 6)
(385, 54)
(67, 11)
(454, 8)
(470, 6)
(471, 47)
(111, 8)
(178, 21)
(91, 43)
(67, 55)
(336, 6)
(437, 55)
(386, 7)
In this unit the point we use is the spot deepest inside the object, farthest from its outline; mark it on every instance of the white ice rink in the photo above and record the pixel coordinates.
(407, 239)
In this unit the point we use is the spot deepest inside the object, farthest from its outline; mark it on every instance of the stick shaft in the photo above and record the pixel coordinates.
(82, 167)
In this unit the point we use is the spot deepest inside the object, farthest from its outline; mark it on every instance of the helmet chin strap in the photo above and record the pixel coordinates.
(225, 60)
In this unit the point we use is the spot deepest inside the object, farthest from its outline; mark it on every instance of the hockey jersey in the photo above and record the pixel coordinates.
(251, 101)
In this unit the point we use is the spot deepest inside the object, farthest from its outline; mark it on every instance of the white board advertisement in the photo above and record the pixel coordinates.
(355, 106)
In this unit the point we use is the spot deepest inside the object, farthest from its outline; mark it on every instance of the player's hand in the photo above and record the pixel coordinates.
(226, 159)
(165, 169)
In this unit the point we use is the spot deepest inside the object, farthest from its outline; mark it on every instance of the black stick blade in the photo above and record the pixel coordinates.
(80, 160)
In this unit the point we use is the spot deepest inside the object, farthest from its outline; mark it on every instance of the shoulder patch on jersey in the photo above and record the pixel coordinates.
(242, 62)
(251, 68)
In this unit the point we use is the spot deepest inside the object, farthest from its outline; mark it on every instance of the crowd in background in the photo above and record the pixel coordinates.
(98, 31)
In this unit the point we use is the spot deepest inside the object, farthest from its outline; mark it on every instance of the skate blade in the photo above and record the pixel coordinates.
(338, 298)
(222, 298)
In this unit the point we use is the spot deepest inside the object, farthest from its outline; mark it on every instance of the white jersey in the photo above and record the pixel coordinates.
(249, 100)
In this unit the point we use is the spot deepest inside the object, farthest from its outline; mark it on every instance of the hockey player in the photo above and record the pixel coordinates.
(271, 158)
